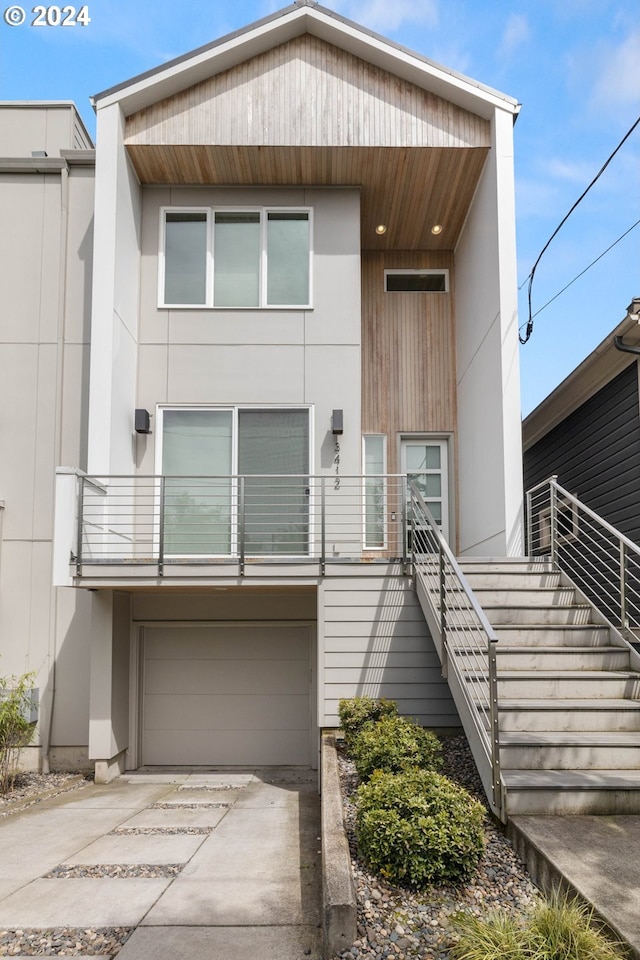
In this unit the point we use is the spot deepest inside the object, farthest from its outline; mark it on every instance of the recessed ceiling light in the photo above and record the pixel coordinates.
(436, 229)
(381, 228)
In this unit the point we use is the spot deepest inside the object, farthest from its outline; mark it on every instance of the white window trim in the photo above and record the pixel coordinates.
(418, 272)
(385, 494)
(209, 303)
(162, 259)
(445, 440)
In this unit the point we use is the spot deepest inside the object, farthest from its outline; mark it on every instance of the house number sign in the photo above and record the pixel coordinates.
(336, 461)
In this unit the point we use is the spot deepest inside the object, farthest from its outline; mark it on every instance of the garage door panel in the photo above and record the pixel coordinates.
(227, 643)
(226, 694)
(226, 712)
(225, 677)
(226, 748)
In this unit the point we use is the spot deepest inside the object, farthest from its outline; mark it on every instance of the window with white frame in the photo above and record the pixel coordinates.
(375, 492)
(235, 258)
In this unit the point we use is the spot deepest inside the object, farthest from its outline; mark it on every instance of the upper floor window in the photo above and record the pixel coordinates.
(416, 281)
(235, 258)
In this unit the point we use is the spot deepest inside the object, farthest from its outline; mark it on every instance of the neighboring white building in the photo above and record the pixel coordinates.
(304, 273)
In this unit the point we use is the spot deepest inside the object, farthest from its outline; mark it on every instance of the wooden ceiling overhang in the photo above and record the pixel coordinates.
(306, 113)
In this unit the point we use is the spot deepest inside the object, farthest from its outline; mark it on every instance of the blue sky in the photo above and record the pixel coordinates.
(573, 64)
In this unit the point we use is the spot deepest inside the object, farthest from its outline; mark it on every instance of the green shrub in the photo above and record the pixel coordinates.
(394, 744)
(357, 711)
(15, 730)
(418, 828)
(556, 929)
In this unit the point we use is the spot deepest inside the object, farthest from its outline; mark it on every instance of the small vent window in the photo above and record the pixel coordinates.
(416, 281)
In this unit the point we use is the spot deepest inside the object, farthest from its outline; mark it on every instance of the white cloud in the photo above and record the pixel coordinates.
(386, 16)
(618, 80)
(516, 33)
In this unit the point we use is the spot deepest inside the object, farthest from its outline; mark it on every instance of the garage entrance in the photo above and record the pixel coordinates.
(226, 694)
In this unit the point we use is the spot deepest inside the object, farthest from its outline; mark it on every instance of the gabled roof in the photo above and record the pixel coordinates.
(282, 26)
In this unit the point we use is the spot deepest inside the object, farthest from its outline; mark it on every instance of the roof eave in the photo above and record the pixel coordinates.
(284, 25)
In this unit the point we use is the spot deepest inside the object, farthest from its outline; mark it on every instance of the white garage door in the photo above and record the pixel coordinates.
(226, 694)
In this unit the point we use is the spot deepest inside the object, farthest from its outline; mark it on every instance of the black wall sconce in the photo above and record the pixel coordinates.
(337, 425)
(141, 420)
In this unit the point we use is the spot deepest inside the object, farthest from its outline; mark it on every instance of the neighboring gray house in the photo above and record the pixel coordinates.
(303, 289)
(587, 431)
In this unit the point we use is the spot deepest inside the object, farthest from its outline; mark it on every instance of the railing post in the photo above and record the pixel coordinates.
(495, 730)
(443, 613)
(241, 525)
(80, 526)
(553, 521)
(624, 609)
(323, 526)
(529, 527)
(161, 530)
(404, 522)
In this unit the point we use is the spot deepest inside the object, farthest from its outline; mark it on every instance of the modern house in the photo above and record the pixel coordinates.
(303, 292)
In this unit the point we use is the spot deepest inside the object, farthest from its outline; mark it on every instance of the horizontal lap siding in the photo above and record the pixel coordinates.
(596, 454)
(376, 643)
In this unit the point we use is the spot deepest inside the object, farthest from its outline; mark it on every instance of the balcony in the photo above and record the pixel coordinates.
(175, 528)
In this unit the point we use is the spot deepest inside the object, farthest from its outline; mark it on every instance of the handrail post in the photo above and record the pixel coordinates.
(553, 521)
(624, 609)
(443, 613)
(241, 524)
(529, 526)
(161, 530)
(80, 523)
(495, 729)
(323, 526)
(404, 523)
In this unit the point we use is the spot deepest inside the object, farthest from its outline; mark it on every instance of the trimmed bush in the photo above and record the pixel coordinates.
(418, 828)
(394, 744)
(559, 928)
(357, 711)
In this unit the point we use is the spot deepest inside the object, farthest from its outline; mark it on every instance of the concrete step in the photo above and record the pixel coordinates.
(512, 616)
(489, 597)
(559, 635)
(548, 659)
(561, 792)
(569, 714)
(512, 579)
(577, 684)
(505, 565)
(574, 750)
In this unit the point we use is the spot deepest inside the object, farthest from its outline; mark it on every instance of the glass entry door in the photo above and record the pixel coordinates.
(209, 512)
(425, 463)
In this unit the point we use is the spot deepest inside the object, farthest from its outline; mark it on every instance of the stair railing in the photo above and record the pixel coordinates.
(600, 560)
(468, 643)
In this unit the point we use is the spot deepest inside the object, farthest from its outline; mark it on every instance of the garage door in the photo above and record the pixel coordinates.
(226, 694)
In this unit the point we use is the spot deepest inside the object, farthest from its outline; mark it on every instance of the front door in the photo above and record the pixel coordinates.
(426, 463)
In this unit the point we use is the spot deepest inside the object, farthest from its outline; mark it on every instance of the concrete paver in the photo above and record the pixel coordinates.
(251, 886)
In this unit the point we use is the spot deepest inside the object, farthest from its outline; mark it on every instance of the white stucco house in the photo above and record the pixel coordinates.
(297, 286)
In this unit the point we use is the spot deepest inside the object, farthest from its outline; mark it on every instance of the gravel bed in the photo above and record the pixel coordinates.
(190, 806)
(398, 924)
(114, 871)
(64, 941)
(159, 831)
(209, 788)
(30, 788)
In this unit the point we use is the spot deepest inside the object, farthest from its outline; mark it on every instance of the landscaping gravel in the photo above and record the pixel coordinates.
(31, 788)
(398, 924)
(63, 942)
(114, 871)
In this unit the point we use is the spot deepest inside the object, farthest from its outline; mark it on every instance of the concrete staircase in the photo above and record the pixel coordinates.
(569, 693)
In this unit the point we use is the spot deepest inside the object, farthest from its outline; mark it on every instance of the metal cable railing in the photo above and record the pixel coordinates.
(468, 641)
(173, 520)
(599, 559)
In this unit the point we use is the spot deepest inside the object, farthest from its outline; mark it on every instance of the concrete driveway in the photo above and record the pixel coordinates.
(203, 865)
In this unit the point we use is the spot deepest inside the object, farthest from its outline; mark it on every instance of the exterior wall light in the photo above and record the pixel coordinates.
(141, 420)
(337, 425)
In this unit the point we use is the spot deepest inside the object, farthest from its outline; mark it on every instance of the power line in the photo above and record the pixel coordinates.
(582, 272)
(529, 326)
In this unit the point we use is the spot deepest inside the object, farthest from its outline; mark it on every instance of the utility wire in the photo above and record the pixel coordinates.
(582, 272)
(529, 327)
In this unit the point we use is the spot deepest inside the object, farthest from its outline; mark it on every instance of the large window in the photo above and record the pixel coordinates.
(375, 468)
(235, 258)
(235, 477)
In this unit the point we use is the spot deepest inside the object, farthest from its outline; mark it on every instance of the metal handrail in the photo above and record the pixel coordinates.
(598, 558)
(461, 618)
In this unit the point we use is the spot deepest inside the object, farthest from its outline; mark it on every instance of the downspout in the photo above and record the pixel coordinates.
(45, 734)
